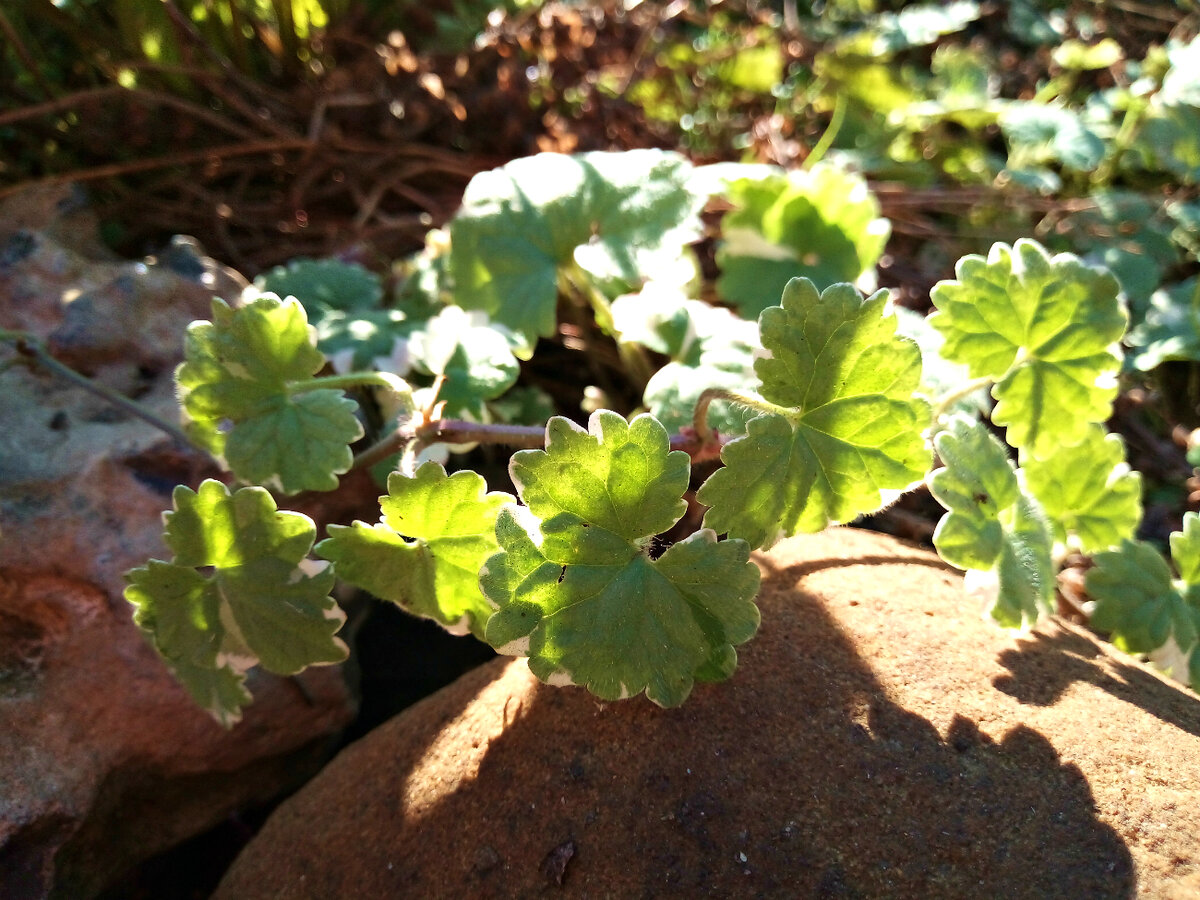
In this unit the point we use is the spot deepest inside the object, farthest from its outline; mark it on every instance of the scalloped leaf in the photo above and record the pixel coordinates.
(1088, 492)
(241, 388)
(238, 592)
(1144, 607)
(847, 430)
(992, 527)
(426, 553)
(577, 588)
(1045, 330)
(620, 216)
(822, 224)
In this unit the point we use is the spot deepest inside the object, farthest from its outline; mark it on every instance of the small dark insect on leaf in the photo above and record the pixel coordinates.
(562, 574)
(658, 546)
(981, 497)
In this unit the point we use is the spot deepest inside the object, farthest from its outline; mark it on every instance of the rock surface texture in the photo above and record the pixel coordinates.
(879, 739)
(104, 759)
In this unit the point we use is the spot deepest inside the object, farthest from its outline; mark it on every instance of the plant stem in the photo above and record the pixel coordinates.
(452, 431)
(521, 437)
(28, 345)
(831, 132)
(352, 379)
(944, 403)
(700, 414)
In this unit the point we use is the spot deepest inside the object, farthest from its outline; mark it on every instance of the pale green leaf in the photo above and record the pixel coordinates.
(238, 592)
(822, 224)
(241, 387)
(847, 432)
(1181, 82)
(709, 347)
(425, 555)
(474, 356)
(1080, 57)
(1088, 491)
(619, 216)
(992, 526)
(1045, 330)
(919, 24)
(1170, 138)
(577, 587)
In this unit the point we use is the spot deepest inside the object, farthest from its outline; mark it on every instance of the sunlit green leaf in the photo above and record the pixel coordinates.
(238, 592)
(578, 588)
(1144, 607)
(822, 224)
(1088, 492)
(847, 431)
(1045, 329)
(241, 387)
(426, 553)
(993, 528)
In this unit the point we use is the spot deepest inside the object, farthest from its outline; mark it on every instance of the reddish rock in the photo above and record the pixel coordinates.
(879, 739)
(104, 759)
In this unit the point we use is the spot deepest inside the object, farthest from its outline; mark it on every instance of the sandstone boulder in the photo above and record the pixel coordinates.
(879, 739)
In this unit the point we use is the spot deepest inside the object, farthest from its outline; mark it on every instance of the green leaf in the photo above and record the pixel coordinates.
(992, 528)
(1088, 491)
(846, 433)
(1144, 608)
(242, 390)
(617, 215)
(425, 555)
(1045, 329)
(180, 612)
(238, 592)
(324, 285)
(577, 587)
(822, 224)
(473, 354)
(1171, 329)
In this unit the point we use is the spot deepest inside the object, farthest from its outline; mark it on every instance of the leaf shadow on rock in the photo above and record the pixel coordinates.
(799, 777)
(1049, 661)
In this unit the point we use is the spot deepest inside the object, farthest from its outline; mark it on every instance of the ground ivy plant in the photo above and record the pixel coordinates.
(811, 415)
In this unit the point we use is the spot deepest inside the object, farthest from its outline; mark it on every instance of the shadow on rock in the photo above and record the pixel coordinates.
(801, 777)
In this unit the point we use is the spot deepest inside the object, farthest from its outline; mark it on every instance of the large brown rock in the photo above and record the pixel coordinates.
(879, 739)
